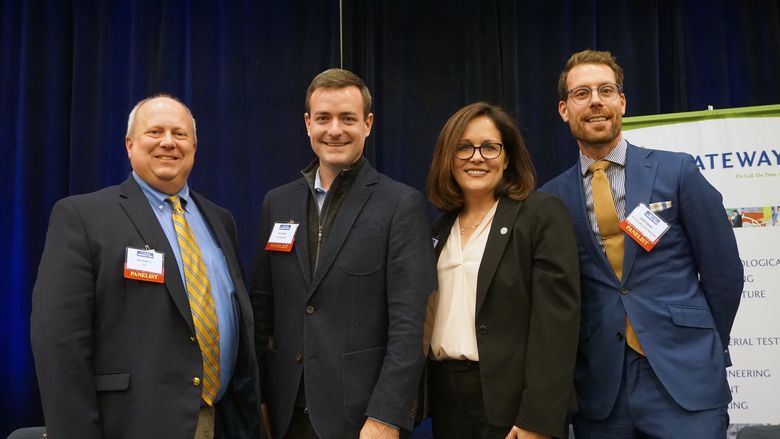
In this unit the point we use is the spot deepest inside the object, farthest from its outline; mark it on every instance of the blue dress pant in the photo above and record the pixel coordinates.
(644, 409)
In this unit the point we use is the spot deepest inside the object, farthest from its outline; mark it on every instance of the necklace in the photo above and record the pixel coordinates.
(464, 229)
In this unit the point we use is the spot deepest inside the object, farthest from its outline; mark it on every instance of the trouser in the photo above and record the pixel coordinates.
(645, 410)
(457, 407)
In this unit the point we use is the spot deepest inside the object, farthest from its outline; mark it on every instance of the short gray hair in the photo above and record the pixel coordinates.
(131, 117)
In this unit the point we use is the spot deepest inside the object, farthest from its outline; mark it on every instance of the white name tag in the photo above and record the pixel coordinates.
(282, 237)
(644, 226)
(144, 264)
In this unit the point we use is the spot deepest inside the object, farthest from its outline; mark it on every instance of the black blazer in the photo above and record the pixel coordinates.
(116, 357)
(527, 312)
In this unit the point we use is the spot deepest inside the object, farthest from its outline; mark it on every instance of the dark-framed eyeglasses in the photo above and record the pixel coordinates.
(607, 93)
(488, 151)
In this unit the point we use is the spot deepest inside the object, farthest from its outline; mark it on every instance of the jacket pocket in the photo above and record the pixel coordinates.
(691, 316)
(361, 254)
(359, 372)
(111, 381)
(669, 215)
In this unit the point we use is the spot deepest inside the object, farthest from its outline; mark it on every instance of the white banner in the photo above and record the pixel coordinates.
(738, 151)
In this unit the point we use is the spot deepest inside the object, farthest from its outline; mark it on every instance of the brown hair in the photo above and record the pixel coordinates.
(519, 178)
(339, 78)
(588, 57)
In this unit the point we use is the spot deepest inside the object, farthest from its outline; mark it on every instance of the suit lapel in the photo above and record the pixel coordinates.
(500, 232)
(220, 235)
(136, 206)
(226, 244)
(443, 229)
(353, 203)
(640, 178)
(299, 207)
(574, 198)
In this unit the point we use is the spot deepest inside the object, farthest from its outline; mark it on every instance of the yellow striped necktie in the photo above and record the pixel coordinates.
(611, 234)
(204, 314)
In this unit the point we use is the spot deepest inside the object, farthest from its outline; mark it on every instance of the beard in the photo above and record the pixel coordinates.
(583, 133)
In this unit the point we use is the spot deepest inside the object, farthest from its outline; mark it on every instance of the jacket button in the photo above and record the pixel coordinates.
(624, 290)
(298, 357)
(619, 336)
(483, 329)
(196, 381)
(310, 309)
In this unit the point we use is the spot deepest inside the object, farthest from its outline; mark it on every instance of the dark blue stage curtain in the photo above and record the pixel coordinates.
(70, 71)
(426, 59)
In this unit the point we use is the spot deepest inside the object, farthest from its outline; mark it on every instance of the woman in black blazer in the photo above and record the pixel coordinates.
(503, 325)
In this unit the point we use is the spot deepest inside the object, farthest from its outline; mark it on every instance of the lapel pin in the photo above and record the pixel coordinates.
(503, 230)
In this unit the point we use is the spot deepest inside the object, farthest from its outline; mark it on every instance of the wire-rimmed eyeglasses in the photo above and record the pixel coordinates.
(607, 93)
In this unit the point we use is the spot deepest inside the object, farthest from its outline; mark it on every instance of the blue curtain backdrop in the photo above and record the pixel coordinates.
(70, 71)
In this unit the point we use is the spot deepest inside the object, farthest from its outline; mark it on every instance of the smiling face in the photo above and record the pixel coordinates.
(596, 124)
(161, 145)
(337, 128)
(476, 176)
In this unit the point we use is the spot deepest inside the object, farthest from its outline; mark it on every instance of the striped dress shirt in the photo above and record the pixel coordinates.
(617, 183)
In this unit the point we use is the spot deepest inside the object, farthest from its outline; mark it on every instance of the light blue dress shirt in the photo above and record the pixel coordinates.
(222, 288)
(319, 192)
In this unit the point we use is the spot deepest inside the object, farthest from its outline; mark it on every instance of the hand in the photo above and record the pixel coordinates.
(519, 433)
(266, 419)
(374, 429)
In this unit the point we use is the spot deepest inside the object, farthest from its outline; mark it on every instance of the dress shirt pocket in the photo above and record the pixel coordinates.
(692, 316)
(361, 254)
(111, 381)
(359, 372)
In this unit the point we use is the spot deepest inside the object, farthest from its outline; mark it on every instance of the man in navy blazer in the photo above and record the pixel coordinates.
(680, 297)
(340, 310)
(116, 351)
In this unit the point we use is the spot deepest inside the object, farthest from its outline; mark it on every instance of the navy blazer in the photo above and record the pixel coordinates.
(354, 328)
(116, 357)
(681, 297)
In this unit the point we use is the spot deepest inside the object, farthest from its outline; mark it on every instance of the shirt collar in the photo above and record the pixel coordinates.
(616, 156)
(311, 172)
(157, 198)
(318, 183)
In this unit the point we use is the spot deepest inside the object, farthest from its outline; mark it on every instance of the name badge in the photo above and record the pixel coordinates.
(282, 237)
(144, 264)
(644, 227)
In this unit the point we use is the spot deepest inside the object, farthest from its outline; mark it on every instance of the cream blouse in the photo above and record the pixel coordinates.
(454, 335)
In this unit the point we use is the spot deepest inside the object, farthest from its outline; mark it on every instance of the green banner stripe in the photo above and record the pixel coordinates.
(631, 123)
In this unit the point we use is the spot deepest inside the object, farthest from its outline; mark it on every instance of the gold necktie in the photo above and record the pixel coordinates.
(611, 234)
(204, 313)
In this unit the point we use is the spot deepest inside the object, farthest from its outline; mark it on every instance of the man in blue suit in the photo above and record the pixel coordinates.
(655, 325)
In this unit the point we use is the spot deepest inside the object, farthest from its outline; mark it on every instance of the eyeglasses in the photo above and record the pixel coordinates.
(488, 151)
(607, 93)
